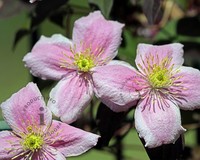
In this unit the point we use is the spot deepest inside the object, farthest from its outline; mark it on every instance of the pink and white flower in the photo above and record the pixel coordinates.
(159, 87)
(34, 134)
(94, 43)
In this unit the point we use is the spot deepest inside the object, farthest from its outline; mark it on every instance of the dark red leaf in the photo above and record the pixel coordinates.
(166, 152)
(189, 26)
(108, 123)
(44, 9)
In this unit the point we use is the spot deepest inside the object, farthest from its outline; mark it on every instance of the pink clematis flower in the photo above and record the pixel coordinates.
(35, 135)
(95, 42)
(160, 86)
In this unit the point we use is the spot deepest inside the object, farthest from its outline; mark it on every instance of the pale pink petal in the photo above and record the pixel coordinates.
(94, 32)
(145, 52)
(26, 108)
(70, 97)
(186, 89)
(46, 57)
(69, 140)
(48, 153)
(158, 125)
(10, 145)
(116, 84)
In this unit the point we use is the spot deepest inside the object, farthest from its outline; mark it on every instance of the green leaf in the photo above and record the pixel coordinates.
(104, 5)
(183, 4)
(19, 35)
(4, 126)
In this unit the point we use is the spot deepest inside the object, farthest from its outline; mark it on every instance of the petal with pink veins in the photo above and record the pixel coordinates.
(116, 84)
(147, 52)
(10, 146)
(186, 88)
(159, 126)
(69, 140)
(70, 97)
(26, 108)
(48, 153)
(99, 34)
(47, 56)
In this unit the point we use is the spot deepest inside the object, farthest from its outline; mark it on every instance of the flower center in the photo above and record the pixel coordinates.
(83, 62)
(33, 142)
(159, 77)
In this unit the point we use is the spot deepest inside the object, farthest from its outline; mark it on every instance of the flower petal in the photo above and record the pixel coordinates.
(69, 140)
(45, 59)
(26, 108)
(48, 153)
(145, 52)
(70, 97)
(9, 146)
(159, 126)
(187, 88)
(101, 35)
(116, 85)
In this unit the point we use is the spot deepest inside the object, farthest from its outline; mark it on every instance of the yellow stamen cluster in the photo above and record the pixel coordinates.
(159, 77)
(158, 71)
(160, 74)
(33, 142)
(85, 59)
(84, 62)
(161, 81)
